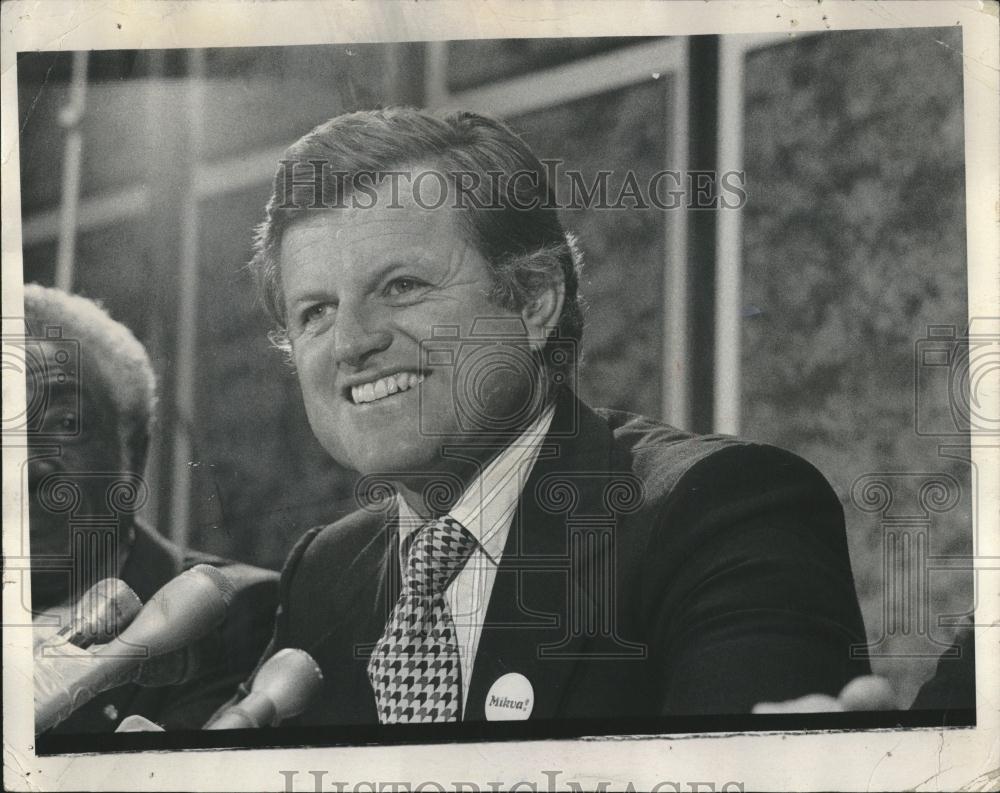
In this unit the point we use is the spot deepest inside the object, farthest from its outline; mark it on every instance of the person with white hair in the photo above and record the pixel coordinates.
(91, 399)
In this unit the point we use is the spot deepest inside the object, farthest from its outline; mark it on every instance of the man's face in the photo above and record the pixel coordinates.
(363, 287)
(73, 450)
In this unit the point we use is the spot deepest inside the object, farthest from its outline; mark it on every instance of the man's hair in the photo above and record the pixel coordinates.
(126, 375)
(515, 228)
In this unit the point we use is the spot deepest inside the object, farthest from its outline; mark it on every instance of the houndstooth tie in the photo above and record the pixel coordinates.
(414, 668)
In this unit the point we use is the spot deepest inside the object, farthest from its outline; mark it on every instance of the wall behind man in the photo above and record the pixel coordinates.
(854, 246)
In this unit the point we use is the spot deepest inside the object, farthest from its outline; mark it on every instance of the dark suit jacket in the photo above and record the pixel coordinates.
(151, 563)
(647, 572)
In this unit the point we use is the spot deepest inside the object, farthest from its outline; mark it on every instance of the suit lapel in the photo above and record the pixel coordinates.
(357, 607)
(539, 590)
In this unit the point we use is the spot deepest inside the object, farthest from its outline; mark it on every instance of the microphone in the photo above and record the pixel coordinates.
(282, 688)
(182, 611)
(137, 723)
(214, 651)
(183, 665)
(106, 608)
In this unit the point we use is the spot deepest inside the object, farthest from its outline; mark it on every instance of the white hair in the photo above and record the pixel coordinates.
(125, 370)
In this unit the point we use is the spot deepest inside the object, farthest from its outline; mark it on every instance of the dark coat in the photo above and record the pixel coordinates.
(647, 572)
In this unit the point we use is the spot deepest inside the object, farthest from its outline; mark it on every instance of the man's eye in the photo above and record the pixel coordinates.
(60, 421)
(402, 286)
(314, 313)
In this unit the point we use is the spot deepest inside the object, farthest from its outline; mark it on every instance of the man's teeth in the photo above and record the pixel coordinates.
(384, 386)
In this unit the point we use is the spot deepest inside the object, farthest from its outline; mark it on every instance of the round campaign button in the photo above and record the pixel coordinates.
(511, 698)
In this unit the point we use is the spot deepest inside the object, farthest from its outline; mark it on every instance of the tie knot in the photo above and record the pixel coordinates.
(437, 554)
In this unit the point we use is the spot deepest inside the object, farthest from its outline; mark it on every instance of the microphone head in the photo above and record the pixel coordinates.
(182, 611)
(137, 723)
(290, 678)
(97, 617)
(222, 582)
(108, 608)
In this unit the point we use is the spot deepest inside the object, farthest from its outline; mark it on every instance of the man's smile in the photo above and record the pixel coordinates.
(383, 387)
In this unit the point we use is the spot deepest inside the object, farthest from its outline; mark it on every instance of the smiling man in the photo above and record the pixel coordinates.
(517, 554)
(362, 289)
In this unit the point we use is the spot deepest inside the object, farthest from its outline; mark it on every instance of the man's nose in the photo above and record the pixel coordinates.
(358, 333)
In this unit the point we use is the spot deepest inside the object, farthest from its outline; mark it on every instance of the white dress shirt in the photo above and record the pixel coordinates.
(486, 509)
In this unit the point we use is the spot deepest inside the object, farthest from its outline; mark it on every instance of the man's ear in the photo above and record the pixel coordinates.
(542, 311)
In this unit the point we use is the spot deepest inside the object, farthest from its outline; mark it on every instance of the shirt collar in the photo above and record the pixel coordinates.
(487, 506)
